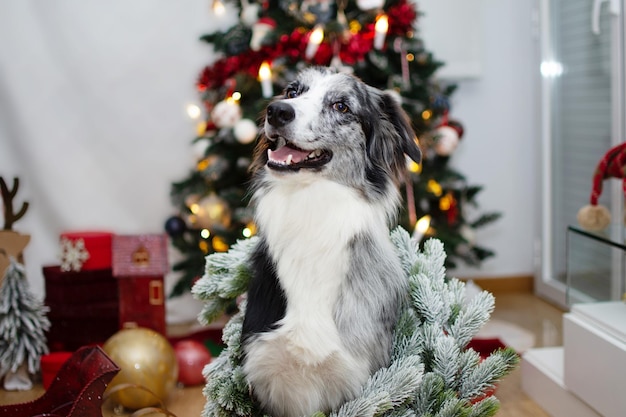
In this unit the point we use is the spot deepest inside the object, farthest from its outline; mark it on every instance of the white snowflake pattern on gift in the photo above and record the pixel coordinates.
(73, 254)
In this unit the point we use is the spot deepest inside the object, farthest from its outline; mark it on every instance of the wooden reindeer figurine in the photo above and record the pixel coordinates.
(12, 243)
(23, 318)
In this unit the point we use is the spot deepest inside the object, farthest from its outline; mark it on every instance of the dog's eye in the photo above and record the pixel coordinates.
(341, 107)
(291, 93)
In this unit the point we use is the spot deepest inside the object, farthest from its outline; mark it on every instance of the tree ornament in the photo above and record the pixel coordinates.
(249, 14)
(226, 113)
(446, 140)
(447, 136)
(370, 4)
(260, 29)
(23, 324)
(468, 234)
(175, 226)
(212, 213)
(245, 131)
(147, 361)
(199, 148)
(192, 356)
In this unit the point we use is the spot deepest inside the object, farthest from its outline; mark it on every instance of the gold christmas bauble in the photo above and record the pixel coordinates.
(213, 213)
(146, 359)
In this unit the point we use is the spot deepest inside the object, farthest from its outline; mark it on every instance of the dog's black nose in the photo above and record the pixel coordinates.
(280, 113)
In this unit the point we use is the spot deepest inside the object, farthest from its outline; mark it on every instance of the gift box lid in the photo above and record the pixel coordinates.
(85, 250)
(139, 255)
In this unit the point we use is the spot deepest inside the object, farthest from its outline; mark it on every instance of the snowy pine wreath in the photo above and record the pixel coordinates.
(432, 372)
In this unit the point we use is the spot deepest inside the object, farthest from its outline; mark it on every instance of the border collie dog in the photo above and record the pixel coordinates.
(327, 285)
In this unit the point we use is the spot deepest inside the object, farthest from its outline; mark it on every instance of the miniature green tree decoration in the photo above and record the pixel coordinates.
(432, 372)
(23, 323)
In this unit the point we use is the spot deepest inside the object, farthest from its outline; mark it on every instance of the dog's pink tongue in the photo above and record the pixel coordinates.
(282, 155)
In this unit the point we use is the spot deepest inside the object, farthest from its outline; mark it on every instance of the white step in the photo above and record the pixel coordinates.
(542, 381)
(594, 339)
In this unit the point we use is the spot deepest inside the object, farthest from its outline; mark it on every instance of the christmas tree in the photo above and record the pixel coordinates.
(432, 372)
(23, 323)
(377, 40)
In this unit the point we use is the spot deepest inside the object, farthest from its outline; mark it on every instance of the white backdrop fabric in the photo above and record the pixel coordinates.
(92, 116)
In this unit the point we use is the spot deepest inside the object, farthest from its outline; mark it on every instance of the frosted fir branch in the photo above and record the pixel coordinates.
(487, 407)
(454, 298)
(406, 248)
(472, 317)
(484, 376)
(387, 389)
(226, 274)
(212, 310)
(432, 331)
(430, 262)
(452, 407)
(446, 360)
(226, 390)
(428, 394)
(427, 301)
(407, 338)
(226, 277)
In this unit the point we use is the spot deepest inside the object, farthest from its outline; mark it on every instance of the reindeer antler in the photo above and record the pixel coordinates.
(10, 216)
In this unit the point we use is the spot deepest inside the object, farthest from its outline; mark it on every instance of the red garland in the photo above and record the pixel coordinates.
(401, 18)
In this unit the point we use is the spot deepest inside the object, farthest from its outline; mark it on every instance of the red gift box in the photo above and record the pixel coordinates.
(97, 245)
(140, 255)
(50, 366)
(84, 307)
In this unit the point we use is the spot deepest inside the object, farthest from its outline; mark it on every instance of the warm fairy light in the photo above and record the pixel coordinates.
(234, 98)
(317, 36)
(219, 244)
(202, 164)
(205, 233)
(194, 208)
(201, 128)
(414, 167)
(218, 7)
(249, 230)
(434, 187)
(193, 111)
(381, 28)
(410, 57)
(427, 114)
(265, 77)
(355, 27)
(446, 201)
(204, 247)
(421, 227)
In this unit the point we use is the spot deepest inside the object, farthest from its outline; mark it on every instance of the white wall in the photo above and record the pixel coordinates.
(500, 149)
(98, 90)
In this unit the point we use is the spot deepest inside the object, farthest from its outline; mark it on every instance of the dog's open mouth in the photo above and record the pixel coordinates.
(290, 157)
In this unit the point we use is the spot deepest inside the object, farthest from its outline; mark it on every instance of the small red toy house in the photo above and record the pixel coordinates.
(139, 265)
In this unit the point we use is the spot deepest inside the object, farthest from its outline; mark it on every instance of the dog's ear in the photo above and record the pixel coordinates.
(390, 138)
(402, 125)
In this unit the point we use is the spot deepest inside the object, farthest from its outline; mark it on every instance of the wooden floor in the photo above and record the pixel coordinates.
(522, 309)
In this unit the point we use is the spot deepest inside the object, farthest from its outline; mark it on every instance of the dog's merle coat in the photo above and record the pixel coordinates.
(327, 283)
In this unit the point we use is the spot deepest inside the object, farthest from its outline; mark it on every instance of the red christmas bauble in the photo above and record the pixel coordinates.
(192, 357)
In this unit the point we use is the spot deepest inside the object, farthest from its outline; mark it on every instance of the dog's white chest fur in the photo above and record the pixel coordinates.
(308, 229)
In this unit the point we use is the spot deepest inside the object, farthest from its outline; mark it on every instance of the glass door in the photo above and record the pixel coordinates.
(582, 117)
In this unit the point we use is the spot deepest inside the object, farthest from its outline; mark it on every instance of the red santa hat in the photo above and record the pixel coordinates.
(595, 216)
